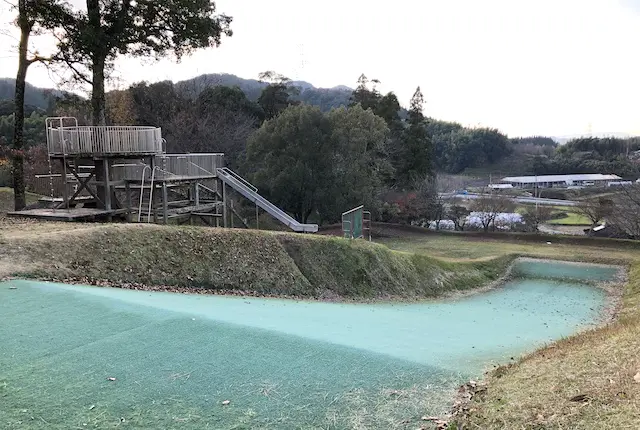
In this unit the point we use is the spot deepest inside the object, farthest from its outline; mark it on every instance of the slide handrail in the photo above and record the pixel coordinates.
(250, 192)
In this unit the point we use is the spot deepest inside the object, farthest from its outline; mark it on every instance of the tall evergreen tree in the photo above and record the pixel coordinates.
(367, 98)
(418, 154)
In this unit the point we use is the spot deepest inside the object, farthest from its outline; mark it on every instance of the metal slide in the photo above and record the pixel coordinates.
(242, 186)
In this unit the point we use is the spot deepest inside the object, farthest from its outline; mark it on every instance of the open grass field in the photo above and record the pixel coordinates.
(460, 248)
(572, 218)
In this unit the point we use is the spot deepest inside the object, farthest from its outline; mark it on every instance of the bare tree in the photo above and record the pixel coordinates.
(536, 215)
(625, 215)
(489, 206)
(458, 214)
(595, 209)
(218, 131)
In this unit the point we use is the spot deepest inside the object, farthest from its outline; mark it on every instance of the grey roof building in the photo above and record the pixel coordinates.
(549, 181)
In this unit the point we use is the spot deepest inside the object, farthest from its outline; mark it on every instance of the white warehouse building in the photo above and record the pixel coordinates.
(555, 181)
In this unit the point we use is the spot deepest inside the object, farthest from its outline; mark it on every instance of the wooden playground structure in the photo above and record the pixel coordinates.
(109, 172)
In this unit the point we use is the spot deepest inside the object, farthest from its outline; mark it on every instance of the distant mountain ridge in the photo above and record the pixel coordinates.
(324, 98)
(34, 96)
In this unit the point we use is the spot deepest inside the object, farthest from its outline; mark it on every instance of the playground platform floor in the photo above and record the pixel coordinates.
(74, 214)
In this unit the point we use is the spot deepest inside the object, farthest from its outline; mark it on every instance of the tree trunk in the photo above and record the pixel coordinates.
(306, 216)
(17, 162)
(97, 95)
(98, 63)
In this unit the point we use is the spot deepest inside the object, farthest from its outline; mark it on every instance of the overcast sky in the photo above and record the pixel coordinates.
(548, 67)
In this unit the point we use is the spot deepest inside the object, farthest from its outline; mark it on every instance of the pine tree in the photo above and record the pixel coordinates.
(367, 98)
(418, 147)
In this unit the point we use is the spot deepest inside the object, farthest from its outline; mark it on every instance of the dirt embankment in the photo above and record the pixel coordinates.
(238, 261)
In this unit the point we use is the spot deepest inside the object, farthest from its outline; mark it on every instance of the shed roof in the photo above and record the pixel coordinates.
(561, 178)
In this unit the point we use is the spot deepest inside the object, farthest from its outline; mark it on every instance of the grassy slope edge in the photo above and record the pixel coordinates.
(598, 369)
(252, 261)
(601, 364)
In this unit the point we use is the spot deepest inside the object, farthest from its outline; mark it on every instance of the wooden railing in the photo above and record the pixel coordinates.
(189, 165)
(95, 140)
(53, 186)
(170, 167)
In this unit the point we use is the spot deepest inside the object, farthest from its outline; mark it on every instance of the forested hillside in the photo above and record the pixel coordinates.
(315, 151)
(209, 113)
(324, 98)
(41, 98)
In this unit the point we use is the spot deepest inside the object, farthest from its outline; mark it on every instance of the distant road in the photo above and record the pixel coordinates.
(530, 200)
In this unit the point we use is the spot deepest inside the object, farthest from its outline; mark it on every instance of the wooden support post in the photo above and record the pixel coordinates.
(231, 213)
(197, 195)
(154, 203)
(127, 190)
(165, 203)
(224, 205)
(257, 225)
(107, 185)
(217, 213)
(65, 194)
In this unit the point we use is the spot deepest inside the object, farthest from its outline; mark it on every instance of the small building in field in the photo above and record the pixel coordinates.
(561, 181)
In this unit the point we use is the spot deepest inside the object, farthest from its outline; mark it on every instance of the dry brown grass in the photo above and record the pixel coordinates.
(536, 392)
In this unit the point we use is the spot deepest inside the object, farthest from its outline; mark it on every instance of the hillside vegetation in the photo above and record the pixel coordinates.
(253, 262)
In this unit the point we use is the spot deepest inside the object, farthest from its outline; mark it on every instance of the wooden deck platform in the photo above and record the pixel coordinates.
(158, 180)
(76, 214)
(78, 199)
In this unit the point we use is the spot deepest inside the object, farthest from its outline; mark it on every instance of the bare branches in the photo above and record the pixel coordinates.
(595, 209)
(458, 214)
(536, 215)
(489, 206)
(624, 218)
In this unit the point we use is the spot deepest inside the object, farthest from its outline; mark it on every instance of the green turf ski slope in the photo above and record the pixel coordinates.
(281, 364)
